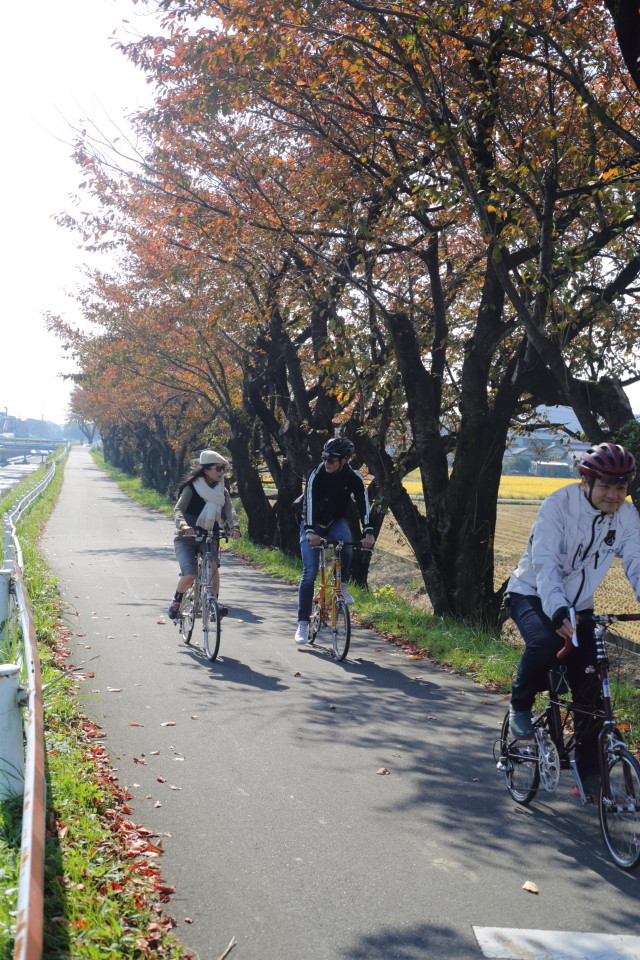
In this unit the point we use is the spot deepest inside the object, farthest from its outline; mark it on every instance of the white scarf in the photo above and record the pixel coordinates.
(214, 502)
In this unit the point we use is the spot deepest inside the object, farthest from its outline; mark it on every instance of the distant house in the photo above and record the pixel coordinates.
(549, 444)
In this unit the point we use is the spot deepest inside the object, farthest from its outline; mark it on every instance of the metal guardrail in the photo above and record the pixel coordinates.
(15, 617)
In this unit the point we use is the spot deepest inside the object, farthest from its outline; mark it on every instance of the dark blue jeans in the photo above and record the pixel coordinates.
(542, 644)
(338, 530)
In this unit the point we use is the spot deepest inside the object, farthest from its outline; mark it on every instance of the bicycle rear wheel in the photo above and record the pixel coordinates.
(341, 631)
(210, 626)
(316, 622)
(187, 615)
(620, 812)
(520, 766)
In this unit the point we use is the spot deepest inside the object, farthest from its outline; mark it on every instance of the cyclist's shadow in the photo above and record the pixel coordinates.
(230, 670)
(243, 614)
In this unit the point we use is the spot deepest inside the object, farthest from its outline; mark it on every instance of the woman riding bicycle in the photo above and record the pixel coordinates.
(203, 502)
(578, 532)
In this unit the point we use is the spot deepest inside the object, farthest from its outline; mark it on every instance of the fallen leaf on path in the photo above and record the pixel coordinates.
(383, 772)
(168, 723)
(174, 788)
(136, 724)
(157, 804)
(188, 920)
(161, 779)
(114, 689)
(530, 887)
(297, 674)
(136, 760)
(193, 716)
(161, 621)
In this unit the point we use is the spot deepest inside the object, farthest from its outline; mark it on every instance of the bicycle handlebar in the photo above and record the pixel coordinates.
(597, 618)
(341, 543)
(202, 534)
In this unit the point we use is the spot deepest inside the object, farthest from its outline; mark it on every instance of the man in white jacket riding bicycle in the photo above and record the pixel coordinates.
(578, 532)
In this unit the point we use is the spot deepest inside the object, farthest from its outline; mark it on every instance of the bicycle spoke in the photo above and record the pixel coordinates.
(341, 631)
(620, 810)
(187, 615)
(316, 621)
(210, 626)
(519, 764)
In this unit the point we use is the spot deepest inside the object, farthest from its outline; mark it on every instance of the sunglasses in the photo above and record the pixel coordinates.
(331, 459)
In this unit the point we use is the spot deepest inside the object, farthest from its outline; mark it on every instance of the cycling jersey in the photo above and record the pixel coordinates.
(327, 495)
(571, 547)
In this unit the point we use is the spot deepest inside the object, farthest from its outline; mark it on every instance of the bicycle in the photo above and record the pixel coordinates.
(329, 605)
(525, 764)
(199, 599)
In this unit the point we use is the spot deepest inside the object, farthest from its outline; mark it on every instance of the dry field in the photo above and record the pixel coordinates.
(513, 528)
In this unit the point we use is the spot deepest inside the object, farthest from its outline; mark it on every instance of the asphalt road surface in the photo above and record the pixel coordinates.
(278, 828)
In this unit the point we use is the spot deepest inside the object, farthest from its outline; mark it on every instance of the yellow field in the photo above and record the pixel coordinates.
(514, 488)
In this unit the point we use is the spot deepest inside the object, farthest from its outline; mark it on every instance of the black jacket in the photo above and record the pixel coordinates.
(327, 496)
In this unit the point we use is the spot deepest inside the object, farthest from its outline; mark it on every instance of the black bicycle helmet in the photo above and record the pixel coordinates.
(607, 461)
(338, 447)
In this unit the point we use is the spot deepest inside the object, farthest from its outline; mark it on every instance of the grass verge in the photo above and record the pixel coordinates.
(487, 658)
(103, 889)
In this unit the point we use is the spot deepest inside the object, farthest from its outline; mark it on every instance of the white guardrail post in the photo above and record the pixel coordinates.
(5, 606)
(11, 733)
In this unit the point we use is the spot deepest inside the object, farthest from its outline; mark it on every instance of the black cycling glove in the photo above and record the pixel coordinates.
(561, 614)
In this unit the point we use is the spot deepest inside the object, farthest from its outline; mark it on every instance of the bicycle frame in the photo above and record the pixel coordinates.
(563, 724)
(560, 713)
(202, 601)
(329, 604)
(329, 591)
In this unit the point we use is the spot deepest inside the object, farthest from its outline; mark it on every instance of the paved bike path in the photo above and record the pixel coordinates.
(281, 832)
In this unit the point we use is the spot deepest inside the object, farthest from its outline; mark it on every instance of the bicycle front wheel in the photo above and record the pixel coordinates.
(187, 615)
(520, 766)
(210, 626)
(316, 622)
(620, 811)
(341, 631)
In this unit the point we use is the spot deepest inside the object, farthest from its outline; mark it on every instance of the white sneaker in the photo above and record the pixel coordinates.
(302, 633)
(348, 599)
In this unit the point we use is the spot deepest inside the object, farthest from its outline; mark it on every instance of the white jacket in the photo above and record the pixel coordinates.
(571, 547)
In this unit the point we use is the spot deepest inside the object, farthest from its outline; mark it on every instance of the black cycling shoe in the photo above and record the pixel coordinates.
(222, 610)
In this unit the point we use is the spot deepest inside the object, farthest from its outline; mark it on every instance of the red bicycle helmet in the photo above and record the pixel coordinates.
(607, 461)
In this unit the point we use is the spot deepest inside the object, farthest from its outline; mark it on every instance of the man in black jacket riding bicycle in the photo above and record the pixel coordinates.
(330, 487)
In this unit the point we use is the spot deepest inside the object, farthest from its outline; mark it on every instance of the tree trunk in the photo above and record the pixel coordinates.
(261, 519)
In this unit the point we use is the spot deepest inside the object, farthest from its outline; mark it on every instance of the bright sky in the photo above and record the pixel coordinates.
(58, 67)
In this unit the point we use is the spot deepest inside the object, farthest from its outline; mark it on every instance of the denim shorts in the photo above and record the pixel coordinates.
(187, 549)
